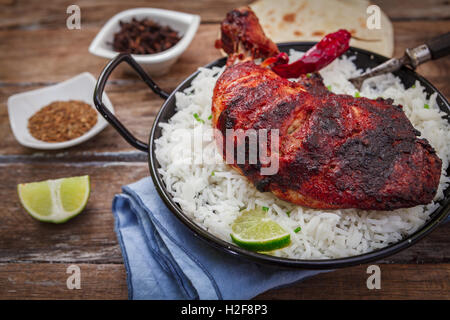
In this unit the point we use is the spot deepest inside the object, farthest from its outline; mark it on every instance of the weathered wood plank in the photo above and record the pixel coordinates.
(135, 104)
(90, 237)
(49, 56)
(56, 54)
(416, 9)
(48, 281)
(34, 15)
(100, 281)
(400, 281)
(52, 55)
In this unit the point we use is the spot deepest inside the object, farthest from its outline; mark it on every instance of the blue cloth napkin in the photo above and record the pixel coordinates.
(164, 260)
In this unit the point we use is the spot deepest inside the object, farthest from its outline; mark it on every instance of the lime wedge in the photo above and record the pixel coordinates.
(253, 230)
(55, 200)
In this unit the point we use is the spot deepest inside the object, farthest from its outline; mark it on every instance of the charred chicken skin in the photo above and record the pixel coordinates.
(335, 151)
(242, 33)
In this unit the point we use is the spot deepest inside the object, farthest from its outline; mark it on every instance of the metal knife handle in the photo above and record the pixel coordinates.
(439, 46)
(418, 55)
(433, 49)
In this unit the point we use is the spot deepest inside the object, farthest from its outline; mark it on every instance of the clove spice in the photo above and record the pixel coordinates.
(144, 37)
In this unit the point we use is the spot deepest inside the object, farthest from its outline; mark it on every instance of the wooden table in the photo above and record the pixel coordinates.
(36, 50)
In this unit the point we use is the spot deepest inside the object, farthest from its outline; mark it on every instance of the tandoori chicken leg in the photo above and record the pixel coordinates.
(335, 150)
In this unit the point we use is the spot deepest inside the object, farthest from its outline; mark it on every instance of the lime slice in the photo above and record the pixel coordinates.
(253, 230)
(55, 200)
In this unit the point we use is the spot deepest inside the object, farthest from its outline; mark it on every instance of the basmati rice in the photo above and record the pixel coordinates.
(212, 193)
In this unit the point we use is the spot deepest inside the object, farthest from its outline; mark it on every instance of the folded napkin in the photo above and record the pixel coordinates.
(164, 260)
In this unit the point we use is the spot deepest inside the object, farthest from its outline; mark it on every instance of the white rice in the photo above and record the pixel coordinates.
(212, 193)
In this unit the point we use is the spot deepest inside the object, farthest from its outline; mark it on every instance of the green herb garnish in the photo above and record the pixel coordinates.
(265, 209)
(329, 88)
(413, 86)
(212, 174)
(196, 116)
(210, 117)
(297, 229)
(426, 106)
(357, 94)
(288, 213)
(308, 75)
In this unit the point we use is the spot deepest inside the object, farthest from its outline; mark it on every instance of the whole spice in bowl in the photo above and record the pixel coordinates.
(62, 121)
(144, 37)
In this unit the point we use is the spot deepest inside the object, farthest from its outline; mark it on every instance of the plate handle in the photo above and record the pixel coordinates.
(104, 111)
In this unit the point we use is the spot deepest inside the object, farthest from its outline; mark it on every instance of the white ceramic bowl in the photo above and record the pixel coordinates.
(155, 64)
(22, 106)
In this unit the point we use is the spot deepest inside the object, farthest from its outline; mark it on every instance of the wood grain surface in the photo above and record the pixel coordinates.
(37, 50)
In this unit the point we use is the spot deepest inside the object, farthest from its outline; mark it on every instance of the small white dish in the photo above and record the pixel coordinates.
(22, 106)
(155, 64)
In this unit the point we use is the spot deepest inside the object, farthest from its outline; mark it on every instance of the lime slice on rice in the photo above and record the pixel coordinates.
(253, 230)
(55, 200)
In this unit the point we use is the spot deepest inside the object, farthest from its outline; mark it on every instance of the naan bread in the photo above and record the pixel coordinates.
(310, 20)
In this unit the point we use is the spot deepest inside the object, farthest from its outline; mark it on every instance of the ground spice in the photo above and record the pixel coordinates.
(144, 37)
(62, 121)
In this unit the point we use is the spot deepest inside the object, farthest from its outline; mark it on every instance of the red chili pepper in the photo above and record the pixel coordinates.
(319, 56)
(281, 58)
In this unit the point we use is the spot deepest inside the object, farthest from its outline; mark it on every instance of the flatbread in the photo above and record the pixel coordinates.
(310, 20)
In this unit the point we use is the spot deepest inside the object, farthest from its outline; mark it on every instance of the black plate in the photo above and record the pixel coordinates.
(364, 59)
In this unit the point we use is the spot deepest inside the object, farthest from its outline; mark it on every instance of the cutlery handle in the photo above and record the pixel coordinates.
(439, 46)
